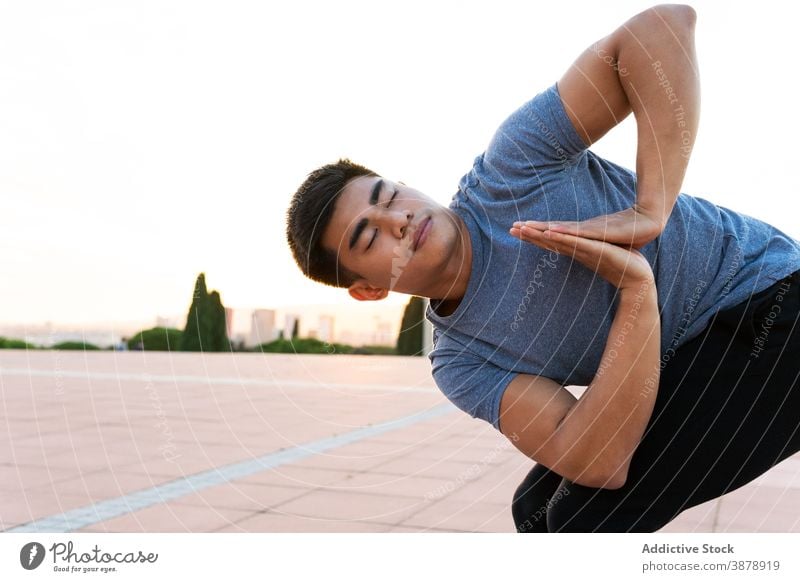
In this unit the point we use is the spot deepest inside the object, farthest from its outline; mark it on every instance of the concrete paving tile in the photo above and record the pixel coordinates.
(348, 464)
(783, 475)
(16, 440)
(85, 460)
(698, 519)
(479, 439)
(480, 456)
(101, 485)
(175, 462)
(416, 487)
(413, 436)
(454, 423)
(351, 506)
(171, 517)
(245, 496)
(274, 522)
(517, 468)
(22, 477)
(704, 513)
(163, 469)
(749, 529)
(214, 455)
(414, 529)
(367, 448)
(686, 526)
(37, 456)
(497, 523)
(297, 476)
(413, 466)
(285, 432)
(760, 509)
(26, 508)
(491, 487)
(451, 514)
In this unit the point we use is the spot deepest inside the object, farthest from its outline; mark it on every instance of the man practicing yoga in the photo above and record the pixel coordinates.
(554, 267)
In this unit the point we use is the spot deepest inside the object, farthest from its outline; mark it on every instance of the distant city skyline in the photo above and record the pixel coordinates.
(357, 325)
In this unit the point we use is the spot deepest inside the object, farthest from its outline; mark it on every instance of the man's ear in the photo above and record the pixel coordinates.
(363, 291)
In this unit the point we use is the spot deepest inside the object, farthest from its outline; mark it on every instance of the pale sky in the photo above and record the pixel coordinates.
(144, 142)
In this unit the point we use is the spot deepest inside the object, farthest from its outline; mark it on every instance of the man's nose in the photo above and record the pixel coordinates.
(398, 221)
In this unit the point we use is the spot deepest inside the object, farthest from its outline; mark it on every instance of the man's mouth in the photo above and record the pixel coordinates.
(418, 234)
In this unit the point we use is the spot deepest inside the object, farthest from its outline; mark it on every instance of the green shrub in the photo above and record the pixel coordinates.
(304, 346)
(315, 346)
(15, 344)
(376, 350)
(74, 345)
(161, 339)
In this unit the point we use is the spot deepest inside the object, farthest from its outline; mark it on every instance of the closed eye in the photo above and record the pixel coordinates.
(388, 204)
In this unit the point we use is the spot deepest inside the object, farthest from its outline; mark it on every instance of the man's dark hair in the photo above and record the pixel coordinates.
(308, 216)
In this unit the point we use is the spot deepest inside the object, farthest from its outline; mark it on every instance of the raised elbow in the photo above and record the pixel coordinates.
(678, 18)
(684, 14)
(676, 15)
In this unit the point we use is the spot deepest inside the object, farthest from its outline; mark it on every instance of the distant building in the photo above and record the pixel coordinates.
(359, 338)
(325, 328)
(229, 322)
(239, 340)
(383, 334)
(262, 327)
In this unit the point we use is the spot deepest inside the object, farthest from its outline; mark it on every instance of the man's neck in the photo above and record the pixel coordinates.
(457, 272)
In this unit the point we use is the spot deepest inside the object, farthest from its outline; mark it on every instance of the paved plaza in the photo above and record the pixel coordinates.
(159, 442)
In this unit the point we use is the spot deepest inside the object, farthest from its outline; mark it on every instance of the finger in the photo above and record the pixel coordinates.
(589, 252)
(555, 241)
(549, 224)
(569, 244)
(552, 236)
(584, 229)
(577, 246)
(606, 259)
(533, 236)
(534, 233)
(526, 233)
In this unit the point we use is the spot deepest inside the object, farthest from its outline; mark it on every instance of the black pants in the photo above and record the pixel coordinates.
(727, 409)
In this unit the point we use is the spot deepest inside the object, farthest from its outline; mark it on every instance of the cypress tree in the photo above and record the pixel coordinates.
(205, 324)
(218, 333)
(409, 340)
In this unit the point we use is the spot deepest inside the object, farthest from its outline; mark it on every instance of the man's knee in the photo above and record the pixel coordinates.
(527, 508)
(529, 504)
(584, 509)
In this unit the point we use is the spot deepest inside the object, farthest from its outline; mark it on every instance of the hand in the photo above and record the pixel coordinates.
(631, 227)
(620, 266)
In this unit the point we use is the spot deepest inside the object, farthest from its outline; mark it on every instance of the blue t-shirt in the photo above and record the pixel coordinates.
(529, 310)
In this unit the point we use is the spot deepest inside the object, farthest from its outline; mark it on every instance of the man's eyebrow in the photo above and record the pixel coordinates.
(362, 224)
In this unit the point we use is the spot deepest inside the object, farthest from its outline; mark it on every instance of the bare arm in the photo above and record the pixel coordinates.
(604, 427)
(648, 66)
(591, 440)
